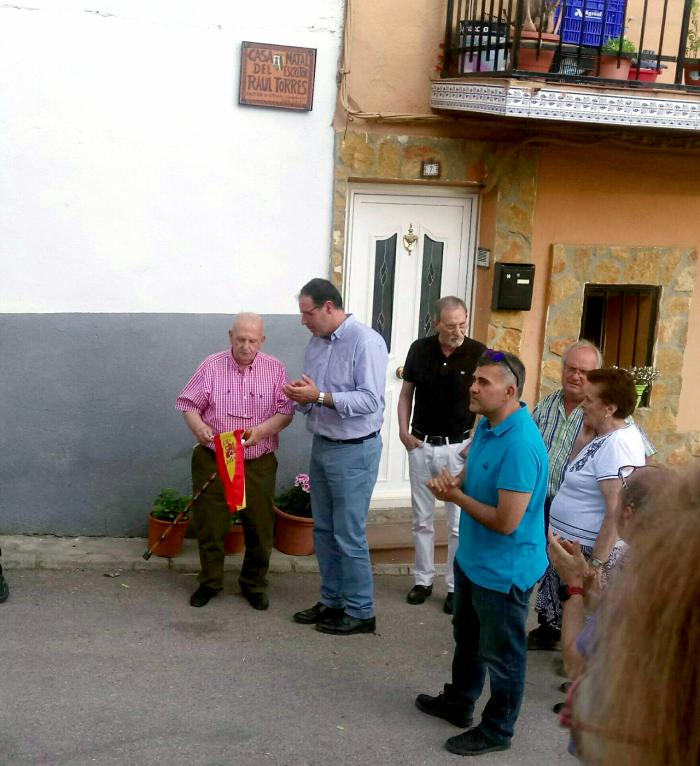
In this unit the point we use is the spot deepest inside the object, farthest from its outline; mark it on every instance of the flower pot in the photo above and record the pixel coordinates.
(641, 388)
(609, 67)
(294, 535)
(645, 75)
(691, 73)
(234, 541)
(529, 59)
(172, 545)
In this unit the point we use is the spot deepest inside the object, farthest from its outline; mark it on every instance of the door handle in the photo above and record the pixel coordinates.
(399, 372)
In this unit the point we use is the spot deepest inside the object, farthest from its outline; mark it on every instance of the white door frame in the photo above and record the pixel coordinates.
(416, 190)
(384, 498)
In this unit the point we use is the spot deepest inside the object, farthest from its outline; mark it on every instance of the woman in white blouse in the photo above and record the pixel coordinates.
(583, 510)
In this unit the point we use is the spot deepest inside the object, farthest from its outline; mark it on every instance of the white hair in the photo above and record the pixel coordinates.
(583, 344)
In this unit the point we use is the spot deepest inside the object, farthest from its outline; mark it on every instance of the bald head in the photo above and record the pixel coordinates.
(247, 335)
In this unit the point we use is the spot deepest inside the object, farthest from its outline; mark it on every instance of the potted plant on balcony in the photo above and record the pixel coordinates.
(691, 69)
(166, 508)
(294, 525)
(615, 58)
(539, 35)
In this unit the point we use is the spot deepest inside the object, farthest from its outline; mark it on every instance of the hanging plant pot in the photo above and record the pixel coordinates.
(172, 545)
(234, 541)
(532, 60)
(294, 535)
(691, 73)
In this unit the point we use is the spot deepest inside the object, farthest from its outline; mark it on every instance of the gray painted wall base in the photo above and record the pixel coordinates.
(90, 433)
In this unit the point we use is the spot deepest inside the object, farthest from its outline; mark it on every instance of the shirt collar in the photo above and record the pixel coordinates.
(253, 365)
(459, 351)
(508, 423)
(340, 329)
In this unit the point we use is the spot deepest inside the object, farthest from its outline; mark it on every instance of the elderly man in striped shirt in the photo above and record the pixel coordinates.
(239, 388)
(559, 417)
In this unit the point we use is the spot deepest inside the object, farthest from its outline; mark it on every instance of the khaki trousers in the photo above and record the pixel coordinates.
(212, 518)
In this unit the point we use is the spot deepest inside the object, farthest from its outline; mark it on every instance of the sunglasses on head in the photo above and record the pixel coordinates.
(500, 356)
(626, 471)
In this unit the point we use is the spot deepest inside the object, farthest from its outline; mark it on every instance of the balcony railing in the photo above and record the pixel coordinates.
(582, 41)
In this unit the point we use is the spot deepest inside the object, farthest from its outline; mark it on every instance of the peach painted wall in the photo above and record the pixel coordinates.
(605, 196)
(395, 45)
(393, 53)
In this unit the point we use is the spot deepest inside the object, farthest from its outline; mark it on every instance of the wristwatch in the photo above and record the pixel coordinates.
(565, 592)
(321, 397)
(595, 563)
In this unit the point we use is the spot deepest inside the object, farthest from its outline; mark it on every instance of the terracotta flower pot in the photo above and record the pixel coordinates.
(528, 58)
(610, 70)
(234, 541)
(172, 545)
(294, 535)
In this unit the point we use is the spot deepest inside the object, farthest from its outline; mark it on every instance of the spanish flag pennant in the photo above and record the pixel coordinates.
(229, 460)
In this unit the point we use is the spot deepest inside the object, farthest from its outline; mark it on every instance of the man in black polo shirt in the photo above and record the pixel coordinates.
(439, 370)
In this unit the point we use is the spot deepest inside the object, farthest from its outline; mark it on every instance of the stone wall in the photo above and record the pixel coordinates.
(674, 270)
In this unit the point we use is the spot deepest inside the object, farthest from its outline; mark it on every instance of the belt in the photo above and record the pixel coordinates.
(440, 441)
(359, 440)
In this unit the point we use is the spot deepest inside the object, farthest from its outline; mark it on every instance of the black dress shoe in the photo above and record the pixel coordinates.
(449, 606)
(474, 742)
(202, 595)
(419, 593)
(258, 601)
(544, 638)
(347, 626)
(441, 708)
(318, 613)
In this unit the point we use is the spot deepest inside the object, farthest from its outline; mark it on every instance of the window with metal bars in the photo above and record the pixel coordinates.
(621, 321)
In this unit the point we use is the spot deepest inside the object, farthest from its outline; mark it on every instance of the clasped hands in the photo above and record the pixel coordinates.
(571, 565)
(302, 391)
(446, 486)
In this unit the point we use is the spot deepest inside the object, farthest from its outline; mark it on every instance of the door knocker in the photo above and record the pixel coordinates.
(410, 239)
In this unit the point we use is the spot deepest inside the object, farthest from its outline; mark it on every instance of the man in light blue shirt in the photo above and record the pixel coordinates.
(500, 557)
(342, 394)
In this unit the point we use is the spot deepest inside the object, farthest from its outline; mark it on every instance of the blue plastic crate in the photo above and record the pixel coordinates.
(603, 19)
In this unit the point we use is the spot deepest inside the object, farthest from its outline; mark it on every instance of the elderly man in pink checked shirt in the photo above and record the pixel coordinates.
(240, 388)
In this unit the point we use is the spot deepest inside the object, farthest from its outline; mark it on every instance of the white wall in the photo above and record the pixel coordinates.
(130, 178)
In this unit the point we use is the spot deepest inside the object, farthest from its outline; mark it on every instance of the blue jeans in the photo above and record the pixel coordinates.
(489, 631)
(342, 479)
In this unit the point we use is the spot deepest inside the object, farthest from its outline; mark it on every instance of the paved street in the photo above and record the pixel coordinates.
(121, 670)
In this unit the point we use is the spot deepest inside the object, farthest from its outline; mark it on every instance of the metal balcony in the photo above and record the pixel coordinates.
(584, 55)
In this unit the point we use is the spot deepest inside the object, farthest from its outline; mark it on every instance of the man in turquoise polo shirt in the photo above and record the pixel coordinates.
(501, 555)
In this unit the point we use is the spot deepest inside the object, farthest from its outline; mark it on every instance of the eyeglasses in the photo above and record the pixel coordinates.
(626, 471)
(310, 311)
(500, 356)
(575, 371)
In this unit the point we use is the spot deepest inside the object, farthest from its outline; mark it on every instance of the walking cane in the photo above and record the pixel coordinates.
(185, 512)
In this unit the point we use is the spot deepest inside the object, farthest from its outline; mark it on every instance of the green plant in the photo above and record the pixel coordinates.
(615, 45)
(642, 376)
(296, 501)
(692, 43)
(168, 504)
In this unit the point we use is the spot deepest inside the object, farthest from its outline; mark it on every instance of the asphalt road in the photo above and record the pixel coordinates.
(121, 670)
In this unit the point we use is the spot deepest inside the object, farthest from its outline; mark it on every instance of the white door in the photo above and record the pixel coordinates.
(406, 247)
